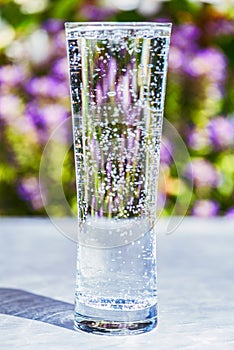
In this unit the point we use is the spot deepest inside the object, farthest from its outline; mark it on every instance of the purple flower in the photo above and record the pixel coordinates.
(185, 37)
(95, 151)
(198, 139)
(176, 58)
(99, 94)
(54, 114)
(95, 13)
(46, 118)
(109, 170)
(47, 86)
(206, 62)
(59, 43)
(221, 132)
(106, 70)
(123, 91)
(112, 71)
(32, 111)
(203, 173)
(13, 113)
(49, 115)
(131, 144)
(29, 190)
(166, 151)
(11, 75)
(60, 69)
(52, 25)
(220, 26)
(11, 107)
(161, 200)
(230, 213)
(37, 120)
(187, 55)
(205, 208)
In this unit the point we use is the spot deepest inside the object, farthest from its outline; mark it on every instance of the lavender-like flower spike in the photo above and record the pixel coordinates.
(186, 37)
(198, 138)
(29, 190)
(52, 26)
(112, 71)
(203, 173)
(96, 13)
(205, 208)
(230, 213)
(221, 132)
(207, 62)
(99, 95)
(59, 69)
(11, 76)
(166, 151)
(11, 108)
(47, 86)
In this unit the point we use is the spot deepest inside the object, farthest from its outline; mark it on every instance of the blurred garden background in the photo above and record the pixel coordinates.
(34, 98)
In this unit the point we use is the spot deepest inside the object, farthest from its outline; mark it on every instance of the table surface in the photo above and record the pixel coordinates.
(195, 289)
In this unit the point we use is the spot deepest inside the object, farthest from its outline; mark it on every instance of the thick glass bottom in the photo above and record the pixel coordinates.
(98, 325)
(114, 328)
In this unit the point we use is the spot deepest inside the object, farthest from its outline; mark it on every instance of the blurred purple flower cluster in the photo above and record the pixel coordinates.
(211, 168)
(189, 57)
(36, 96)
(34, 100)
(166, 151)
(205, 208)
(218, 134)
(203, 173)
(221, 132)
(97, 13)
(29, 190)
(220, 27)
(199, 71)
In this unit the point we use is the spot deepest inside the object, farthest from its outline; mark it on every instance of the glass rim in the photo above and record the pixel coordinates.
(111, 25)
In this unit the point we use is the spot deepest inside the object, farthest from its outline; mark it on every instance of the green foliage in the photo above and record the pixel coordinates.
(63, 9)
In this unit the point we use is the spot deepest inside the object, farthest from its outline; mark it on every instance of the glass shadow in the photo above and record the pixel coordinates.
(20, 303)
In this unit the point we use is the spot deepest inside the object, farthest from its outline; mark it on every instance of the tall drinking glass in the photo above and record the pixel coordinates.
(117, 84)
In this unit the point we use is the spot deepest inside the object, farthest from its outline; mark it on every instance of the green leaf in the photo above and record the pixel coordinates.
(226, 164)
(12, 14)
(64, 9)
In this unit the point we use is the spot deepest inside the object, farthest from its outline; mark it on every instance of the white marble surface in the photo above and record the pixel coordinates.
(195, 288)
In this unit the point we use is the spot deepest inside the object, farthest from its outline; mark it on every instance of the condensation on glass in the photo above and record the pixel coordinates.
(117, 84)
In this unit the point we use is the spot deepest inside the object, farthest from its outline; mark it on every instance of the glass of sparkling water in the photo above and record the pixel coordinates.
(117, 86)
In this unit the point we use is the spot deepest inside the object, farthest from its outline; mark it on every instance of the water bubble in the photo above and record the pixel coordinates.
(153, 109)
(111, 93)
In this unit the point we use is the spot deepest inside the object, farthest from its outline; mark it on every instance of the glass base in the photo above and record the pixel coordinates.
(97, 326)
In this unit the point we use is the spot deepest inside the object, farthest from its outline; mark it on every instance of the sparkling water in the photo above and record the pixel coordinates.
(117, 78)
